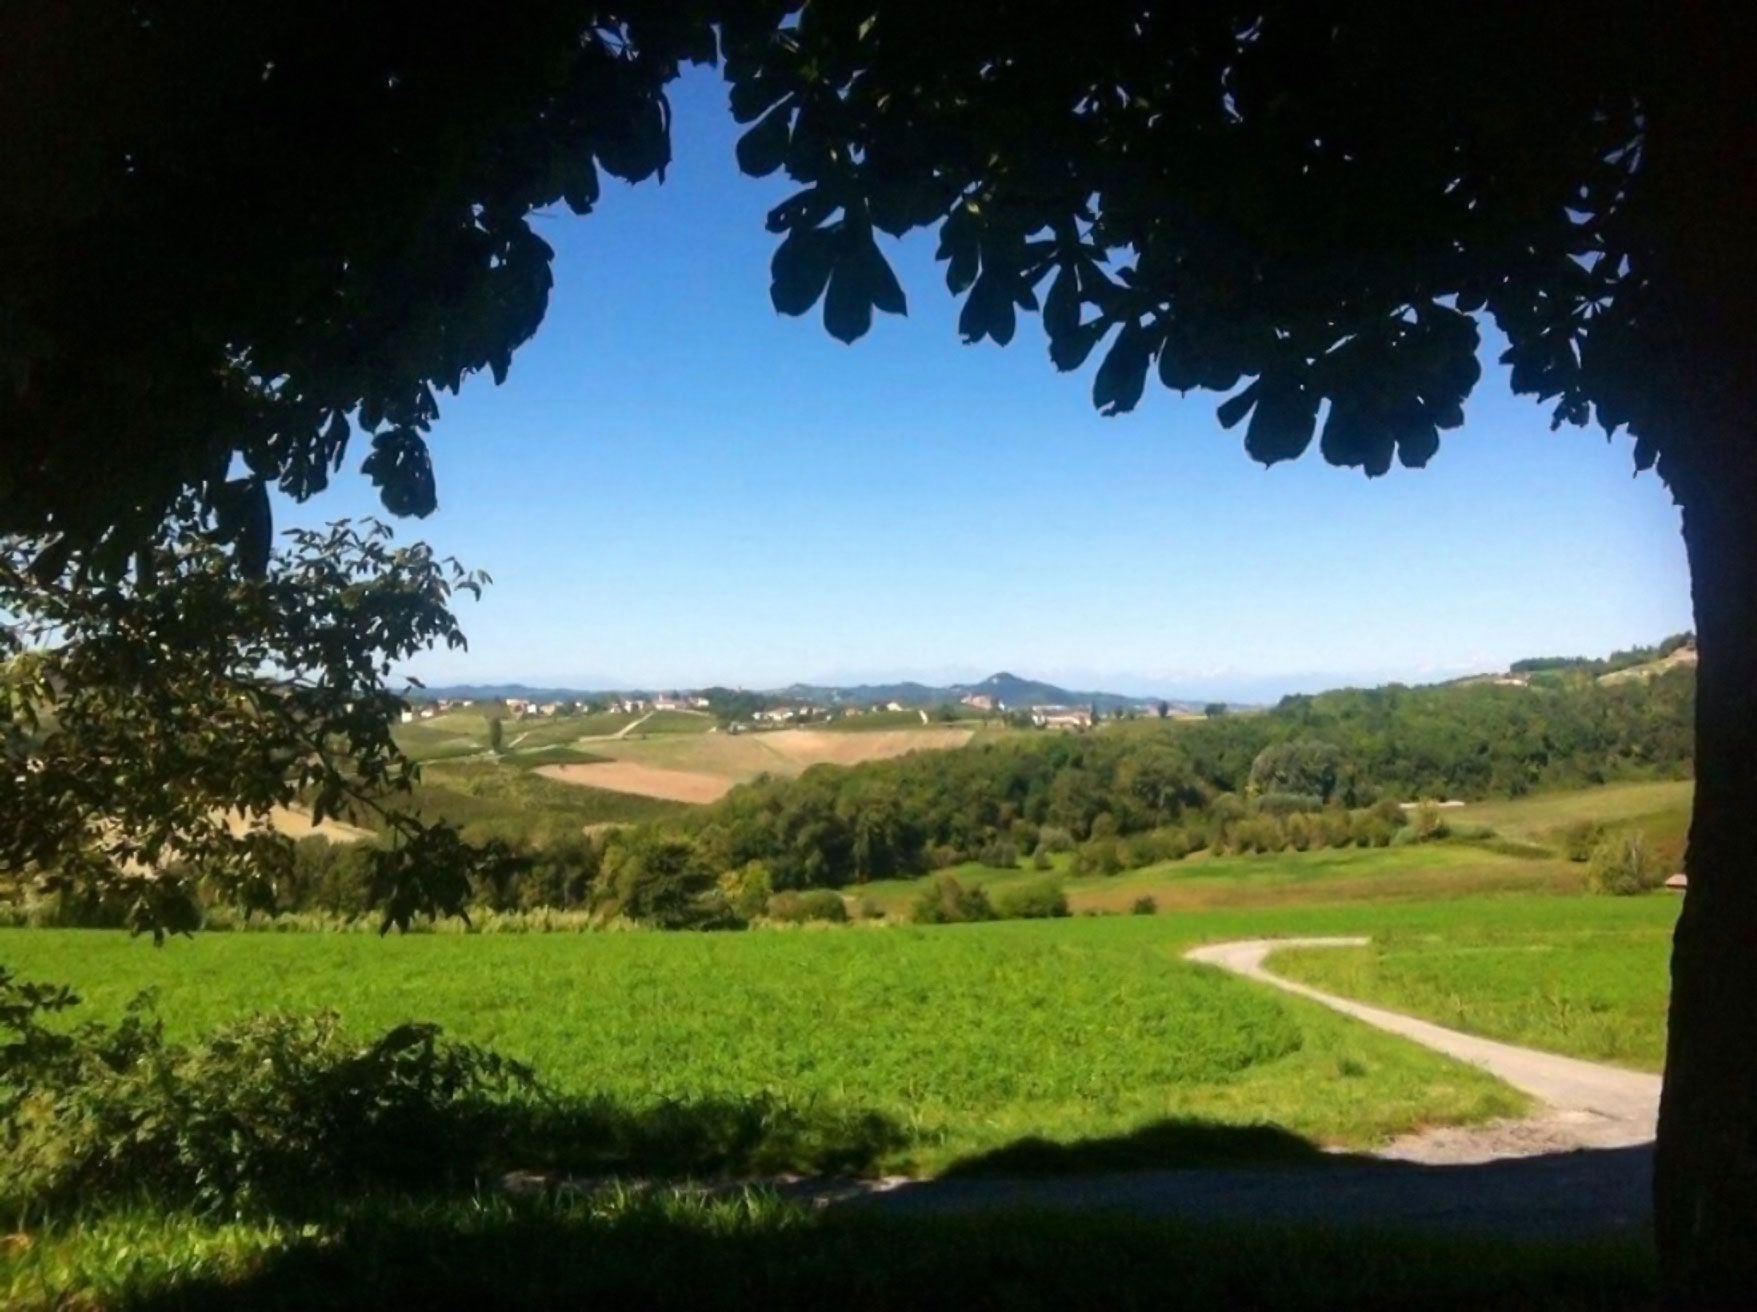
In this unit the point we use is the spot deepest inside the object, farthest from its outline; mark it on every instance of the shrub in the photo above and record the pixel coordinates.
(271, 1107)
(1053, 839)
(942, 856)
(1000, 854)
(1388, 810)
(1299, 832)
(947, 902)
(814, 904)
(748, 889)
(1103, 826)
(1429, 825)
(1040, 860)
(1335, 827)
(1288, 804)
(1581, 839)
(1624, 865)
(1099, 857)
(1034, 899)
(1146, 905)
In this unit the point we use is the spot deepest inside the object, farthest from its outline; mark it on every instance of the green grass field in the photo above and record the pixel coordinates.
(1068, 1045)
(1391, 874)
(959, 1042)
(869, 721)
(676, 722)
(1590, 990)
(1660, 810)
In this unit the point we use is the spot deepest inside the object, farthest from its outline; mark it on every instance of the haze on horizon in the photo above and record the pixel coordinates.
(677, 487)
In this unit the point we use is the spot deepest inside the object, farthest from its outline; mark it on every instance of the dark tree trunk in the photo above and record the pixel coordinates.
(1705, 1187)
(1699, 321)
(1701, 326)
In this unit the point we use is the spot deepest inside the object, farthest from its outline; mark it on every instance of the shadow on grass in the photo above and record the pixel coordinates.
(716, 1137)
(1178, 1143)
(563, 1252)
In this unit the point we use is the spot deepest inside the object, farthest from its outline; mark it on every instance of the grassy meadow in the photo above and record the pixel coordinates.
(1593, 990)
(894, 1049)
(1059, 1046)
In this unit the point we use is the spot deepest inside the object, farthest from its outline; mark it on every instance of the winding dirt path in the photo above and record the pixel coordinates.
(1584, 1104)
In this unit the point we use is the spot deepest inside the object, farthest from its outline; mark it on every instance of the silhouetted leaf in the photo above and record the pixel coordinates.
(579, 182)
(1069, 351)
(1355, 438)
(848, 305)
(1123, 374)
(881, 282)
(1235, 408)
(401, 469)
(803, 209)
(800, 270)
(988, 311)
(763, 149)
(959, 247)
(1417, 440)
(1061, 308)
(1281, 427)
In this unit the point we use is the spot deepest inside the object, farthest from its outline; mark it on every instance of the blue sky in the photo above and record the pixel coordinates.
(676, 486)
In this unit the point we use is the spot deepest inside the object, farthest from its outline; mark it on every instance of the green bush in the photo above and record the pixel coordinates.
(1099, 857)
(748, 889)
(1581, 839)
(1034, 899)
(999, 855)
(1040, 860)
(947, 902)
(814, 904)
(1145, 905)
(1624, 865)
(1429, 825)
(1288, 804)
(271, 1107)
(1053, 839)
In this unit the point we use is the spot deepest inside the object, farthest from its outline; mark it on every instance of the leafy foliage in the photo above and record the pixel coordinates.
(258, 1110)
(1033, 899)
(1624, 865)
(152, 726)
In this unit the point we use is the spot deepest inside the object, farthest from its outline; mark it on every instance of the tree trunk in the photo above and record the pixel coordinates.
(1700, 213)
(1705, 1184)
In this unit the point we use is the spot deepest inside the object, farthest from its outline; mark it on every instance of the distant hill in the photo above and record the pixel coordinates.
(1009, 690)
(1006, 689)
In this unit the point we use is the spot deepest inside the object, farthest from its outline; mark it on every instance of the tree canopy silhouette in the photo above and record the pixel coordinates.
(236, 238)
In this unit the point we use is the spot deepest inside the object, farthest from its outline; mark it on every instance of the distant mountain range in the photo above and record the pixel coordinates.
(1007, 690)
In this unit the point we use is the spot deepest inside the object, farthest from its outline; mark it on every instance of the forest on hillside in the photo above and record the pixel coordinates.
(1333, 752)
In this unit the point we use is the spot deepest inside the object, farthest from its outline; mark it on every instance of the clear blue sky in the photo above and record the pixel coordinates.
(676, 486)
